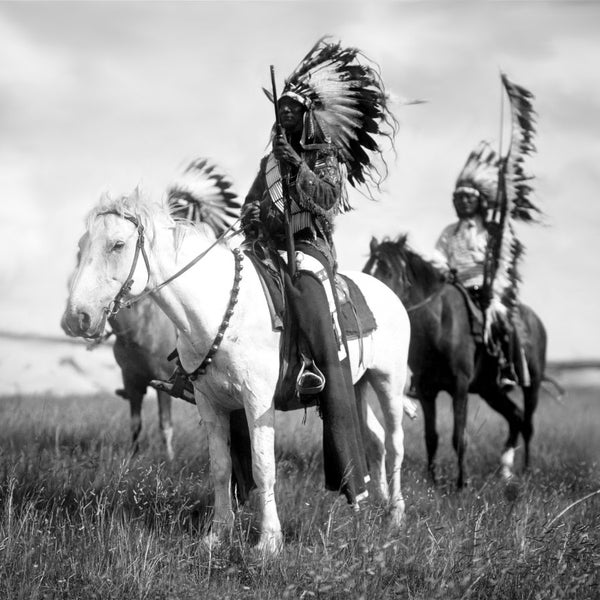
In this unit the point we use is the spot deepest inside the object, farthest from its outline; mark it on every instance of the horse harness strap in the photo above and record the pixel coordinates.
(425, 301)
(117, 303)
(233, 298)
(184, 268)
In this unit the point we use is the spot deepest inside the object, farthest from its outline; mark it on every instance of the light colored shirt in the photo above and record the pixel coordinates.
(462, 246)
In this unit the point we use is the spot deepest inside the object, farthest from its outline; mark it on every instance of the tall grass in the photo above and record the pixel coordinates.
(80, 518)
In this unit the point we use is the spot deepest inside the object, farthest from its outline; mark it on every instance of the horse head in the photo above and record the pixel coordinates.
(388, 263)
(406, 272)
(108, 266)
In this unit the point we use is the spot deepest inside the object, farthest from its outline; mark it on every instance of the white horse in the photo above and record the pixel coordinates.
(244, 371)
(143, 334)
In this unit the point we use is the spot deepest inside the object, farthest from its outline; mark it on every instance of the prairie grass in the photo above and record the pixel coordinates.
(80, 518)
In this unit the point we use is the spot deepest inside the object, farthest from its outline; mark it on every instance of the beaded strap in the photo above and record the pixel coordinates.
(233, 298)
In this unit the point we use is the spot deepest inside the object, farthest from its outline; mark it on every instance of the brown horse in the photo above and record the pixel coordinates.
(444, 355)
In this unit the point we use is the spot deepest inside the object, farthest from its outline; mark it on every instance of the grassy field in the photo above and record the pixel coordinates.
(79, 519)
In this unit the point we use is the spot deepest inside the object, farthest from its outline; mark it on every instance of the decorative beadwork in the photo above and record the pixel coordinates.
(233, 298)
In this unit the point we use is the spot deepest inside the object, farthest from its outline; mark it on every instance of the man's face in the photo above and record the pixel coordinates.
(466, 204)
(290, 114)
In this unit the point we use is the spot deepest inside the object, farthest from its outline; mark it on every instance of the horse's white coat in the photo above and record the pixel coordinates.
(244, 370)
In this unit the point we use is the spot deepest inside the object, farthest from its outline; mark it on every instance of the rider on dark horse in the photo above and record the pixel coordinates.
(462, 252)
(330, 106)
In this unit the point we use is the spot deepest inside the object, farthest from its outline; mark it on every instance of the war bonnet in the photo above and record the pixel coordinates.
(346, 105)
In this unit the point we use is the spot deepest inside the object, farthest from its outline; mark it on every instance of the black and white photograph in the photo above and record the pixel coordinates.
(299, 299)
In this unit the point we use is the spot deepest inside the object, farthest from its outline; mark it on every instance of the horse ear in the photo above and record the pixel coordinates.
(373, 244)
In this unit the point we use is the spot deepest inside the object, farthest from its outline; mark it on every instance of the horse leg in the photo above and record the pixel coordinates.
(431, 436)
(165, 422)
(216, 423)
(460, 405)
(374, 440)
(261, 424)
(501, 402)
(530, 400)
(388, 386)
(135, 409)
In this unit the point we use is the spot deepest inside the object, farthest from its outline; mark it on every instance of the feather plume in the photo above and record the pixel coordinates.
(513, 200)
(203, 194)
(347, 105)
(518, 188)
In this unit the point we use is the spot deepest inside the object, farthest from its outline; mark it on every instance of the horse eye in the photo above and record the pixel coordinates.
(117, 246)
(383, 268)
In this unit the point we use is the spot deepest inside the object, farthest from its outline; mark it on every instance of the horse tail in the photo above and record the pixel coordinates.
(557, 392)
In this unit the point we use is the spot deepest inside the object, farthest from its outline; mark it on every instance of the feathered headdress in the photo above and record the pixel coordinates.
(480, 175)
(346, 105)
(203, 194)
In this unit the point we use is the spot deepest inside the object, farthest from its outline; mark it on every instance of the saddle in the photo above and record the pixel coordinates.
(474, 311)
(301, 381)
(514, 354)
(356, 318)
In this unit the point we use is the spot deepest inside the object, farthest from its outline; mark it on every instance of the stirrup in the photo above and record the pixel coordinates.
(506, 383)
(310, 380)
(507, 379)
(178, 386)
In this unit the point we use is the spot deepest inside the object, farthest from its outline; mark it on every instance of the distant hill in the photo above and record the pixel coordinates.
(31, 363)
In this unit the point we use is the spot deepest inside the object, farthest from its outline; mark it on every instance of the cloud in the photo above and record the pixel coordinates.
(99, 96)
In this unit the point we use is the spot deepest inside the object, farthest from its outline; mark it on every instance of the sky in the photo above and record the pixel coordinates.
(105, 96)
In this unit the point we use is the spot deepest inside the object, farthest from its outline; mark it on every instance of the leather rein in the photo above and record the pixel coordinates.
(430, 298)
(117, 303)
(426, 300)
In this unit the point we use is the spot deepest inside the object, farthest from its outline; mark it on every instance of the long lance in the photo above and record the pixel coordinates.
(287, 211)
(498, 217)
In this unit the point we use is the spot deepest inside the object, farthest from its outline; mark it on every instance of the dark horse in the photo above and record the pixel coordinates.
(445, 356)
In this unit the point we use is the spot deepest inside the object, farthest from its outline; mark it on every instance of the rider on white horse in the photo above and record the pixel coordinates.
(329, 107)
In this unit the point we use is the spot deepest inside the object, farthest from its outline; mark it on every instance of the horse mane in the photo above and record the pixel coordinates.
(148, 212)
(399, 255)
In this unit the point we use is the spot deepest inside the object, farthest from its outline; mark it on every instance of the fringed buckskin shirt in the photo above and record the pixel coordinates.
(315, 187)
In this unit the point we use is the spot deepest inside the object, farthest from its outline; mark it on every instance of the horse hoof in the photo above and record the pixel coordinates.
(511, 491)
(212, 541)
(269, 545)
(394, 519)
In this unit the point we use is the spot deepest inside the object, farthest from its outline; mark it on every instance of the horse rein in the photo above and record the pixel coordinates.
(426, 300)
(418, 305)
(117, 303)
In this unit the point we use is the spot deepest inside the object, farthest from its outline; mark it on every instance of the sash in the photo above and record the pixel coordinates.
(300, 218)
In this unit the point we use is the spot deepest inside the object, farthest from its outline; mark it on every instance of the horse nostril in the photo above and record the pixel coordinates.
(84, 321)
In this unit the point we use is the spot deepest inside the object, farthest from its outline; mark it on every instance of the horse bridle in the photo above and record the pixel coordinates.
(117, 303)
(407, 283)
